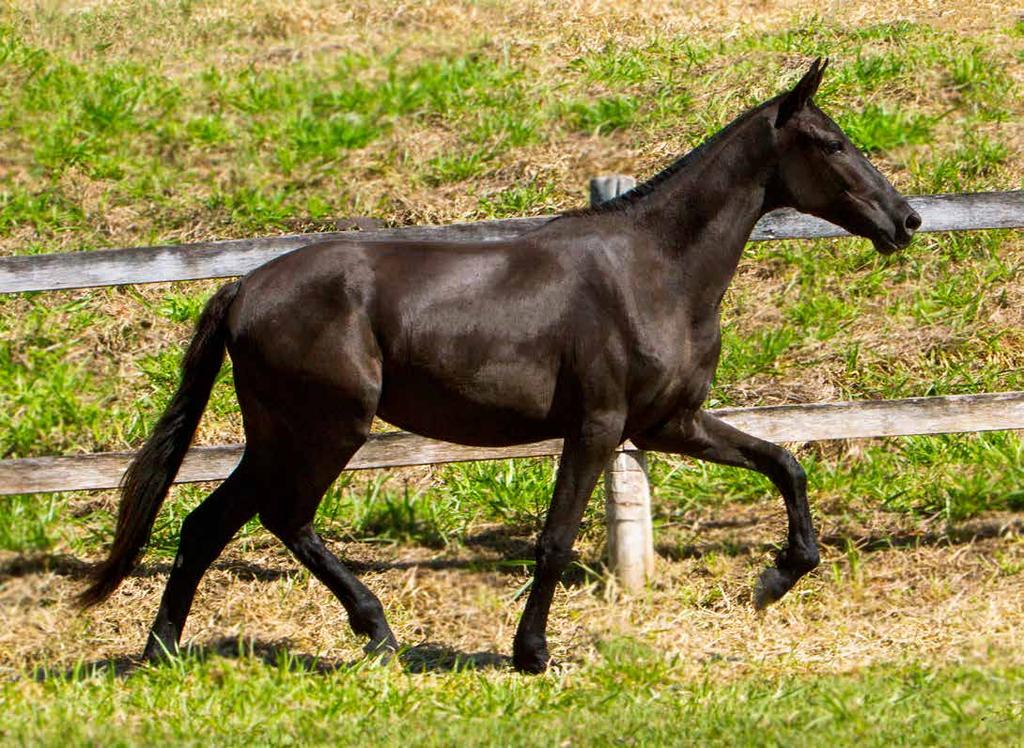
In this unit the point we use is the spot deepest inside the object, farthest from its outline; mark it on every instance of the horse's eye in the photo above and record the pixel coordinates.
(833, 146)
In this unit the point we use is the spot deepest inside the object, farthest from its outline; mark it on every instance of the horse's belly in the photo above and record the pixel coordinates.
(510, 405)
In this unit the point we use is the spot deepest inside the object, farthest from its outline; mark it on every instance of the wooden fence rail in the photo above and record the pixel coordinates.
(857, 419)
(114, 267)
(628, 491)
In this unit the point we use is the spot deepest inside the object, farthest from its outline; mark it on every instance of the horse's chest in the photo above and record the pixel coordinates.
(679, 376)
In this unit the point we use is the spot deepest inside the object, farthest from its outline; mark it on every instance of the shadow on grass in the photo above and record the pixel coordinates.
(43, 563)
(516, 553)
(421, 658)
(577, 574)
(75, 568)
(868, 542)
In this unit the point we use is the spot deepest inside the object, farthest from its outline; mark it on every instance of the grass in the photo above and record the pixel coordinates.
(261, 148)
(952, 478)
(878, 128)
(457, 167)
(603, 115)
(142, 123)
(274, 137)
(629, 696)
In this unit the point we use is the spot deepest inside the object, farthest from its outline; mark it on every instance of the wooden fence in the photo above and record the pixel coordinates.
(627, 489)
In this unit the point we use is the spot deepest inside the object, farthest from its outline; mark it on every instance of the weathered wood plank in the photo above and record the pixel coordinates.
(113, 267)
(104, 470)
(795, 423)
(859, 419)
(219, 259)
(953, 212)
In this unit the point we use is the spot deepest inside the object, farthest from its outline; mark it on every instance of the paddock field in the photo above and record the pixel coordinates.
(138, 123)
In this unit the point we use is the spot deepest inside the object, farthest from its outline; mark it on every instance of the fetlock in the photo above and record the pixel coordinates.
(162, 643)
(530, 654)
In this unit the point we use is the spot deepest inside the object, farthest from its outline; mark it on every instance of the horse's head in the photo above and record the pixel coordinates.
(822, 173)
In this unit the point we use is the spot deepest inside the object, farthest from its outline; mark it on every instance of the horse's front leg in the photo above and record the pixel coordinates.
(583, 458)
(707, 438)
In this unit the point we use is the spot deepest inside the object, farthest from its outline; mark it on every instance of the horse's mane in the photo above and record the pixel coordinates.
(643, 189)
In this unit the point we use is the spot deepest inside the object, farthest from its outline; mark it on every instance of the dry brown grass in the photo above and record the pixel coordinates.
(938, 600)
(932, 596)
(278, 28)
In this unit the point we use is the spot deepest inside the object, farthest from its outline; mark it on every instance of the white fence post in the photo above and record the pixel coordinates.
(628, 514)
(627, 490)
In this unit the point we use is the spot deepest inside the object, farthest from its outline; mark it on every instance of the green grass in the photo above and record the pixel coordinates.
(110, 144)
(951, 478)
(601, 116)
(971, 165)
(516, 201)
(879, 128)
(457, 167)
(275, 135)
(30, 523)
(50, 400)
(630, 696)
(513, 492)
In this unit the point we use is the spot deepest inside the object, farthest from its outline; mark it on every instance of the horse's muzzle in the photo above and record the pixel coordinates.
(905, 221)
(909, 222)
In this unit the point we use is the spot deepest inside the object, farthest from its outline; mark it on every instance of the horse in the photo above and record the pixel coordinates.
(599, 326)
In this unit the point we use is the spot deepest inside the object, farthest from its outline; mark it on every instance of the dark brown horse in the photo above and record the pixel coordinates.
(600, 326)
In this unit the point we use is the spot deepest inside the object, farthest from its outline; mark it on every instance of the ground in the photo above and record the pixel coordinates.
(139, 123)
(891, 592)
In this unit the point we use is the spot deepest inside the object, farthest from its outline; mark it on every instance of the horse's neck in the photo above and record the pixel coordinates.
(703, 214)
(718, 197)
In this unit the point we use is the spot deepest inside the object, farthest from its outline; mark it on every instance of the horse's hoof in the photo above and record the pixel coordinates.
(533, 662)
(381, 650)
(771, 585)
(157, 652)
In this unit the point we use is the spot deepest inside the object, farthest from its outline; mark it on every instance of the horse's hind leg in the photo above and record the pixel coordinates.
(365, 612)
(205, 532)
(707, 438)
(289, 505)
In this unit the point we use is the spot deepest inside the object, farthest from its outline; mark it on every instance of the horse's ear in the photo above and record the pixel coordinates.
(797, 99)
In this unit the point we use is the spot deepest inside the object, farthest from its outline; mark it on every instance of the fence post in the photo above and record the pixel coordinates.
(627, 491)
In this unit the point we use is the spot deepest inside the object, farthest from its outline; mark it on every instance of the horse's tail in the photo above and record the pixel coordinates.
(149, 477)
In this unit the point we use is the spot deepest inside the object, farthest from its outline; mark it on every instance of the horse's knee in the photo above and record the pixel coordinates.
(553, 552)
(783, 468)
(792, 469)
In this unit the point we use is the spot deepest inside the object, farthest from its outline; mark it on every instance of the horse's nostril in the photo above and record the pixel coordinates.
(912, 221)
